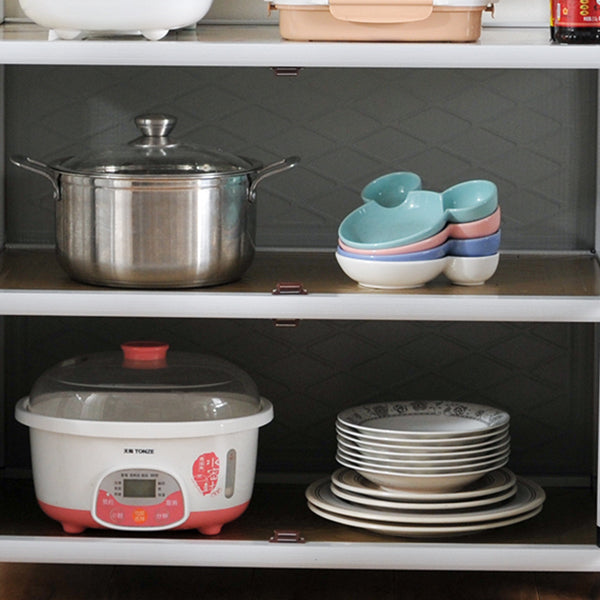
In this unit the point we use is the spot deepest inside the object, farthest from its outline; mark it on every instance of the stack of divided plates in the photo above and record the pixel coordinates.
(424, 468)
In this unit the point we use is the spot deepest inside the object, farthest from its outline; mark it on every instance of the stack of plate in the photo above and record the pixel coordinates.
(431, 446)
(424, 468)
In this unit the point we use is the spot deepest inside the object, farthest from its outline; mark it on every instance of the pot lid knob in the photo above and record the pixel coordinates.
(144, 354)
(155, 125)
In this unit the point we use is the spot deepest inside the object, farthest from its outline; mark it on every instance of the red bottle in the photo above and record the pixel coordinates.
(576, 21)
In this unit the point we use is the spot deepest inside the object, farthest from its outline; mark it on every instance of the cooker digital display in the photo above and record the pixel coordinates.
(139, 498)
(139, 488)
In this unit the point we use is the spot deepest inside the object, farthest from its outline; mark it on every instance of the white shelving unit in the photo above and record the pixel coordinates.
(527, 287)
(261, 46)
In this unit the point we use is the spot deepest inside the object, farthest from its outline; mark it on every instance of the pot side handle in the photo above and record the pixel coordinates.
(40, 168)
(272, 169)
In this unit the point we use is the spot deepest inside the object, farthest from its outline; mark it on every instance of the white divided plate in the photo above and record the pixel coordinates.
(436, 419)
(422, 531)
(427, 506)
(528, 497)
(420, 445)
(493, 482)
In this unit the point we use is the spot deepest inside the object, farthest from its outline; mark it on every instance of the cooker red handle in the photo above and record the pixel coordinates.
(139, 354)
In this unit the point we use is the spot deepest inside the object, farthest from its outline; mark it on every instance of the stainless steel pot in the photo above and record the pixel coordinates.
(155, 213)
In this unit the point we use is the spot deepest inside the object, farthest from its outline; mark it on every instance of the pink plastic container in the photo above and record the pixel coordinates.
(381, 20)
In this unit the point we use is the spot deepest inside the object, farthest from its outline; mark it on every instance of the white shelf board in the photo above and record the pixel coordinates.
(313, 555)
(198, 304)
(525, 288)
(262, 46)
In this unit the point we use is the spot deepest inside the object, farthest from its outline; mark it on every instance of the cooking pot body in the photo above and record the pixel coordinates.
(155, 232)
(198, 482)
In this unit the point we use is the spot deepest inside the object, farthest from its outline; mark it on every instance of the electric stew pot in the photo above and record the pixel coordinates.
(144, 440)
(155, 212)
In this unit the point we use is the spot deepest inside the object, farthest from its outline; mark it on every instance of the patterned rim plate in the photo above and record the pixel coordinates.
(491, 483)
(422, 444)
(414, 460)
(528, 497)
(424, 470)
(427, 506)
(437, 419)
(417, 531)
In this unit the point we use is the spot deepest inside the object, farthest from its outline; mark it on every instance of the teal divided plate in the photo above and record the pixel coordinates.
(422, 214)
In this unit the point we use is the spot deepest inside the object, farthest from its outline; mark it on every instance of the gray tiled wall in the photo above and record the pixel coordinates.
(517, 128)
(529, 131)
(539, 373)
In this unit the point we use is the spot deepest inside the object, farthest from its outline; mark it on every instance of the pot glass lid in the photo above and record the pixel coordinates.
(145, 382)
(156, 153)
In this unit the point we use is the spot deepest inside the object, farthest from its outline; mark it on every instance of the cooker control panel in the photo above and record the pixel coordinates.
(139, 498)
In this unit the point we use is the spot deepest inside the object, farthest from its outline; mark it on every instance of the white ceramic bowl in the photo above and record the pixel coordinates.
(468, 270)
(69, 19)
(391, 275)
(460, 270)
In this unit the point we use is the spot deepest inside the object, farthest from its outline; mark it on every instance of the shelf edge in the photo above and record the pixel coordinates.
(313, 555)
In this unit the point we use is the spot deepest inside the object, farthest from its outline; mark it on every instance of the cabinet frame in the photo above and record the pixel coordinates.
(260, 46)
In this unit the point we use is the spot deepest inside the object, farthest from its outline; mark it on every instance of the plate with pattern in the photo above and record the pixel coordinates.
(422, 531)
(490, 483)
(528, 497)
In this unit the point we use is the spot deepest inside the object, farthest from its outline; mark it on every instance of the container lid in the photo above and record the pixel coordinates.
(145, 383)
(155, 153)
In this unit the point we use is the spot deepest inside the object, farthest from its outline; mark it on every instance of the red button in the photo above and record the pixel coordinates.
(140, 516)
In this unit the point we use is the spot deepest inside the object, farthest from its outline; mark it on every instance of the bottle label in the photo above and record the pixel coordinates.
(576, 13)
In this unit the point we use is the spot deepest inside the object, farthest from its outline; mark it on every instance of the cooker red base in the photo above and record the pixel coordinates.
(207, 522)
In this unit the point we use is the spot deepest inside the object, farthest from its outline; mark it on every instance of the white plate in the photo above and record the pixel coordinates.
(422, 531)
(420, 445)
(410, 468)
(528, 497)
(407, 460)
(449, 482)
(427, 419)
(422, 506)
(493, 482)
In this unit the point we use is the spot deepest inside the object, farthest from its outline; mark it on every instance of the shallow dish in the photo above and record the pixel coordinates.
(448, 460)
(397, 275)
(422, 506)
(473, 229)
(493, 482)
(474, 247)
(422, 214)
(401, 469)
(418, 455)
(447, 482)
(426, 419)
(456, 443)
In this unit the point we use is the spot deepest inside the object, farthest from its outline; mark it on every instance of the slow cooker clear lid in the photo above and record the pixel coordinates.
(145, 382)
(155, 153)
